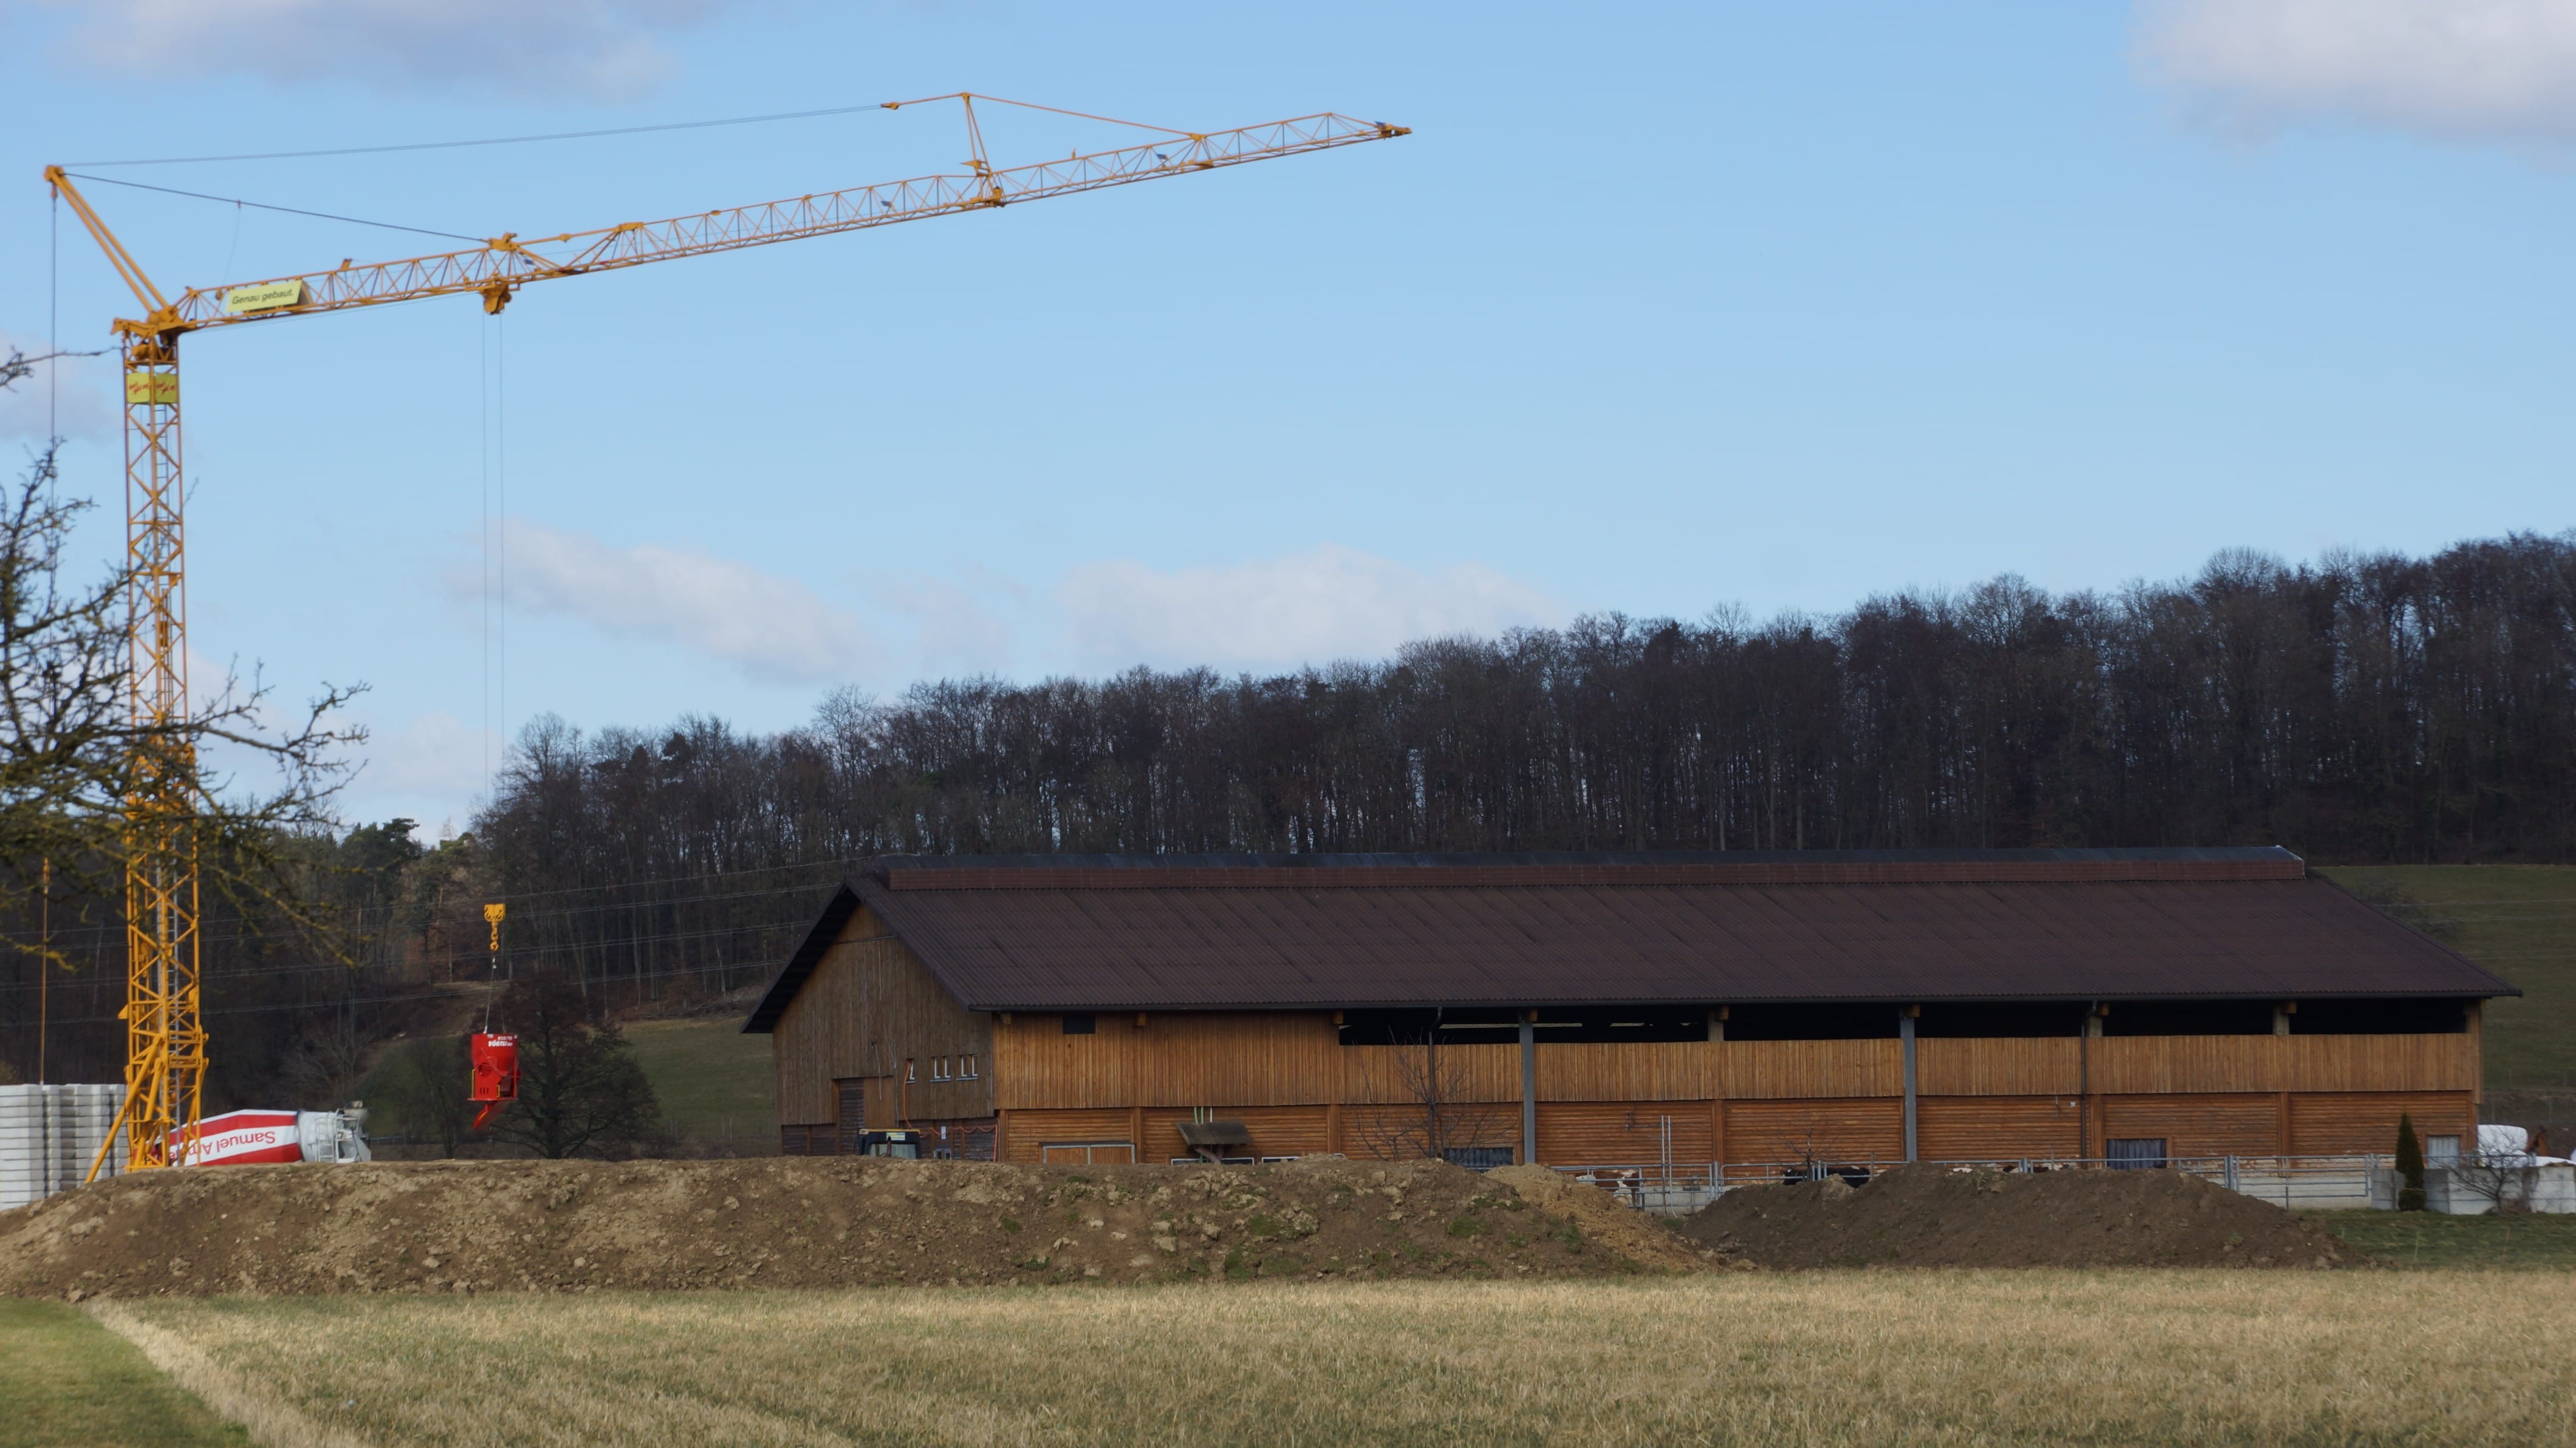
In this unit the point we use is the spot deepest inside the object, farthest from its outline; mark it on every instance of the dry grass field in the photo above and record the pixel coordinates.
(2273, 1358)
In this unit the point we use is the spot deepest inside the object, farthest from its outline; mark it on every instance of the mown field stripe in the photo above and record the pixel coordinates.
(239, 1393)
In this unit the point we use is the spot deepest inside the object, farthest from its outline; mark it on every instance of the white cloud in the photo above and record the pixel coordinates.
(86, 408)
(431, 768)
(953, 630)
(2460, 69)
(604, 48)
(1327, 603)
(773, 629)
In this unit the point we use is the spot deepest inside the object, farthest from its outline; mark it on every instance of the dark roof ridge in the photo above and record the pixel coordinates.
(1454, 859)
(1581, 870)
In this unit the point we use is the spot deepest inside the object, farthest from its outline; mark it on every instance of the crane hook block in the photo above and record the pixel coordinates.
(495, 297)
(493, 915)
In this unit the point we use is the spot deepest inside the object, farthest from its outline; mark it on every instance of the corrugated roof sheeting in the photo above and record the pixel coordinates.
(1293, 943)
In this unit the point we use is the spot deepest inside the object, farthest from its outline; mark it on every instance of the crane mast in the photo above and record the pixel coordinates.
(165, 1038)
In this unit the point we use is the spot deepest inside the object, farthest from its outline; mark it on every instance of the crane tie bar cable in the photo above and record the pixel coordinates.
(613, 131)
(491, 140)
(264, 206)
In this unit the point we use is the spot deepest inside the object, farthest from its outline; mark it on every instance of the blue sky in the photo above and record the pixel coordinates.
(1660, 308)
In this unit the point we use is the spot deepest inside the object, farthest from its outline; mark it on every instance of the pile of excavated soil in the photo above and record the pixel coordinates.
(1603, 1218)
(1927, 1216)
(480, 1226)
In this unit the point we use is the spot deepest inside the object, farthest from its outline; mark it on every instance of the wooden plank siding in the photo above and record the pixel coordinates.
(1290, 1058)
(869, 1008)
(1990, 1128)
(1783, 1069)
(1285, 1058)
(1264, 1059)
(1275, 1131)
(1949, 1128)
(2198, 1124)
(2038, 1066)
(2200, 1064)
(1025, 1134)
(2328, 1125)
(1862, 1128)
(1623, 1133)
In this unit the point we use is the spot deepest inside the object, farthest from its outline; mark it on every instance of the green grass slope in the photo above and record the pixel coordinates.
(66, 1382)
(2516, 1242)
(714, 1082)
(2518, 921)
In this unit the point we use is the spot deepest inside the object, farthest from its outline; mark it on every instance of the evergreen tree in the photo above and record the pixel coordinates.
(2410, 1166)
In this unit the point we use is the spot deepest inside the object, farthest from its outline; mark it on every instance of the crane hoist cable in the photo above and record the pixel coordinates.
(165, 1034)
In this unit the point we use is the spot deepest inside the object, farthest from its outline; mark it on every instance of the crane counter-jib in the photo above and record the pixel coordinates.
(165, 1038)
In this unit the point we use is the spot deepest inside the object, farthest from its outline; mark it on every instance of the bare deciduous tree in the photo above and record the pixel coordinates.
(581, 1092)
(1428, 1104)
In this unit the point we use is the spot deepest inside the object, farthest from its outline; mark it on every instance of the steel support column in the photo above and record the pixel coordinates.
(1529, 1086)
(1905, 1031)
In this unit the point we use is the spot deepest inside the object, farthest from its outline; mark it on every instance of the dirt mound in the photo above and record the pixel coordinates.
(1941, 1217)
(784, 1222)
(1624, 1230)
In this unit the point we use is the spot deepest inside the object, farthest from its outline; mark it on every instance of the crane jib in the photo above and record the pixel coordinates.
(499, 266)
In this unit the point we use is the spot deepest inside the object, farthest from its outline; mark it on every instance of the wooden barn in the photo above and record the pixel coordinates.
(1621, 1009)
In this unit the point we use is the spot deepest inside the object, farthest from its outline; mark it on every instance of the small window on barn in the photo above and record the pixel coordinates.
(966, 1068)
(910, 1075)
(1080, 1025)
(939, 1068)
(1477, 1158)
(2135, 1153)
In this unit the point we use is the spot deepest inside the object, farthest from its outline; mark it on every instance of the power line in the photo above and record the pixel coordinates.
(492, 140)
(273, 1007)
(838, 865)
(264, 206)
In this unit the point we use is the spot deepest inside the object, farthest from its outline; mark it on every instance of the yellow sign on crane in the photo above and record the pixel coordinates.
(165, 1040)
(264, 296)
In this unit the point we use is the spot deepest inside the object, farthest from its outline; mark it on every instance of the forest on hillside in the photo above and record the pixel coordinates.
(2360, 708)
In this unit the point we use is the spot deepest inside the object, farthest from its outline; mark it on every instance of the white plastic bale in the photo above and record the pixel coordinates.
(49, 1135)
(22, 1144)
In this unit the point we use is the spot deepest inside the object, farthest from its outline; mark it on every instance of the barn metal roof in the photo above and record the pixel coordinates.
(1071, 932)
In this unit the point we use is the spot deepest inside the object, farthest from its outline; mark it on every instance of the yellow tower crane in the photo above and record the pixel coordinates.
(165, 1042)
